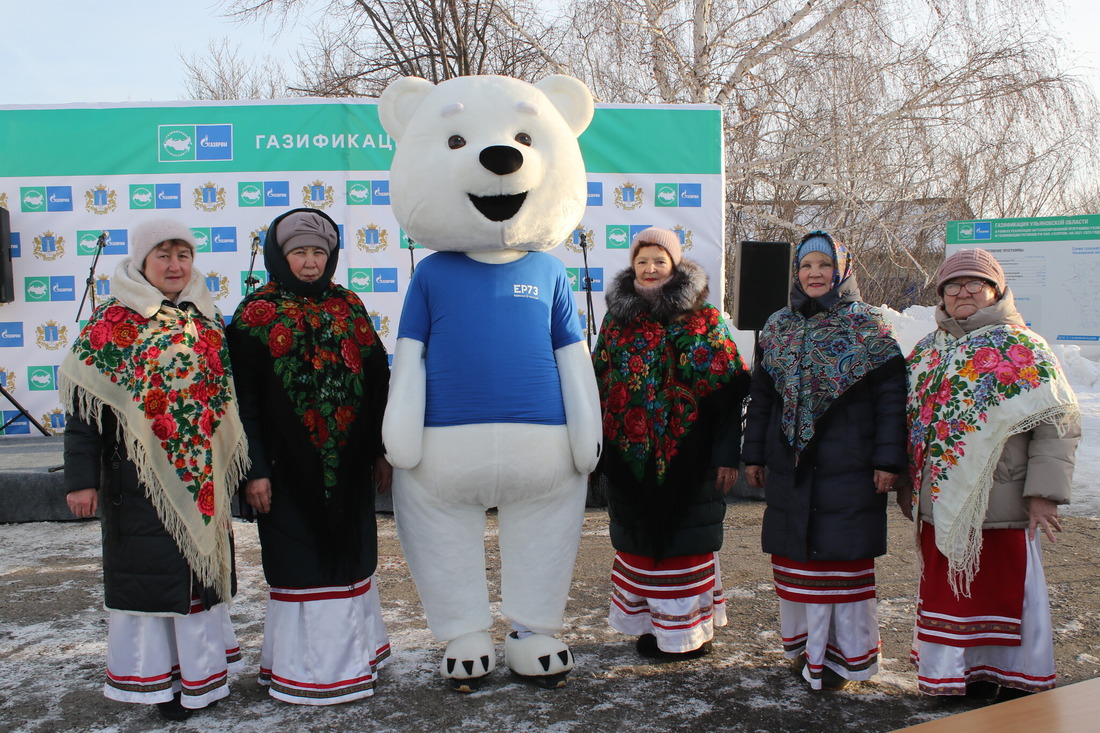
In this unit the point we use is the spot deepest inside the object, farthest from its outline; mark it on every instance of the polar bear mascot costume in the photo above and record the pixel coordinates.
(493, 401)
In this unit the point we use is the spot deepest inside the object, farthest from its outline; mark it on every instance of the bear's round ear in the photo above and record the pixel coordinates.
(572, 99)
(399, 101)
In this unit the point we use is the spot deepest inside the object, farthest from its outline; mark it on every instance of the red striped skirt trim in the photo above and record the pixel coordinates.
(305, 595)
(675, 577)
(824, 582)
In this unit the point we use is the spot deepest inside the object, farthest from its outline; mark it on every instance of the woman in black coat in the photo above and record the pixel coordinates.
(671, 387)
(312, 377)
(826, 417)
(153, 440)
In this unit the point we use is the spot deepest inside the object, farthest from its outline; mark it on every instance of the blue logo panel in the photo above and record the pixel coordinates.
(385, 279)
(62, 287)
(595, 193)
(691, 194)
(214, 142)
(11, 334)
(277, 193)
(380, 193)
(19, 424)
(983, 230)
(223, 239)
(167, 195)
(16, 245)
(59, 198)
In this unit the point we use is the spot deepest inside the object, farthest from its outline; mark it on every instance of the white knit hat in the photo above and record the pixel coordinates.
(151, 233)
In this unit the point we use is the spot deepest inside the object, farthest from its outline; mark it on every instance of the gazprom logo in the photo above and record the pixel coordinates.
(16, 245)
(143, 196)
(576, 278)
(195, 142)
(45, 198)
(364, 193)
(678, 195)
(595, 193)
(215, 239)
(167, 196)
(975, 230)
(263, 193)
(361, 279)
(11, 334)
(385, 279)
(619, 236)
(88, 239)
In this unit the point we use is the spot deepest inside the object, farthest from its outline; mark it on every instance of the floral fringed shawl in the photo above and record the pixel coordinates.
(967, 397)
(164, 371)
(653, 376)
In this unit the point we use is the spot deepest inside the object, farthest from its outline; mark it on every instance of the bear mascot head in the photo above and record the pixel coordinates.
(487, 162)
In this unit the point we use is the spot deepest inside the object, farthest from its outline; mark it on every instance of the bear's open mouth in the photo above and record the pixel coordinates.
(498, 208)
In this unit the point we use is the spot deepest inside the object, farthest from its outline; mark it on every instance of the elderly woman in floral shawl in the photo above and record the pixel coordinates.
(671, 386)
(826, 417)
(993, 427)
(152, 438)
(312, 378)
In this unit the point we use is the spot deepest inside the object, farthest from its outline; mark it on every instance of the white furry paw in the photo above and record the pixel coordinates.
(543, 659)
(469, 657)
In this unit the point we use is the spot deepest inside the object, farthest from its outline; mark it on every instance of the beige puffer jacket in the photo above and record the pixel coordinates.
(1036, 463)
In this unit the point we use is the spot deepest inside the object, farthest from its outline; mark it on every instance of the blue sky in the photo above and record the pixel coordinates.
(59, 51)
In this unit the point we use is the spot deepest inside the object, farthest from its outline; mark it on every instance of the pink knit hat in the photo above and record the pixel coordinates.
(666, 239)
(972, 262)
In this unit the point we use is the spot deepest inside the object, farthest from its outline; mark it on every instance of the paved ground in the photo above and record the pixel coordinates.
(52, 631)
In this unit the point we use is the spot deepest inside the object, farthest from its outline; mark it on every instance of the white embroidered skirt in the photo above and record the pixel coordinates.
(150, 658)
(679, 600)
(323, 646)
(828, 611)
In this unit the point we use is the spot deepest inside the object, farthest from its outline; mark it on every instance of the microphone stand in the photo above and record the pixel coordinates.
(412, 258)
(89, 284)
(252, 281)
(22, 411)
(590, 319)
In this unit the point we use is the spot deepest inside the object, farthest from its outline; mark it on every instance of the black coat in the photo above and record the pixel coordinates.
(684, 515)
(826, 508)
(303, 544)
(143, 569)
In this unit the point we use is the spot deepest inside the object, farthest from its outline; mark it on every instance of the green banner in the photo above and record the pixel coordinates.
(983, 232)
(312, 136)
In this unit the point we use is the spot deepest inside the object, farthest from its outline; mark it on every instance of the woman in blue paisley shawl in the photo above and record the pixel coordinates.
(312, 388)
(826, 418)
(671, 388)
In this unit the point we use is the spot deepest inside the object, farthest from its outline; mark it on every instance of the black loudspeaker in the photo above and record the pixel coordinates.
(762, 282)
(7, 278)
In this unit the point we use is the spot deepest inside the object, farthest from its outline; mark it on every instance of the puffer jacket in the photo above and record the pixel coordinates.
(1037, 463)
(824, 507)
(143, 569)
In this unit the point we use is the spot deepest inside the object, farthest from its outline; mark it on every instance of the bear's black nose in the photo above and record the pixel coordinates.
(501, 159)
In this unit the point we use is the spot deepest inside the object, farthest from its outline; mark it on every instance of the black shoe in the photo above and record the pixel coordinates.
(832, 681)
(647, 646)
(1011, 693)
(982, 691)
(173, 710)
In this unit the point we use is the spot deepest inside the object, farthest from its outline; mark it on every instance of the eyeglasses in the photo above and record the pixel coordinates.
(973, 287)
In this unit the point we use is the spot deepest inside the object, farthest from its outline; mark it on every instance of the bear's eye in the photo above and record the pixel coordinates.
(454, 142)
(523, 139)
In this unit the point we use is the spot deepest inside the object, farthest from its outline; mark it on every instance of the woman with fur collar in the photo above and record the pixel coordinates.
(826, 416)
(152, 439)
(671, 387)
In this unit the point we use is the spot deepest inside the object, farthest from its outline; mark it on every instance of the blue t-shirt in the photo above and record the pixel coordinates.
(490, 333)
